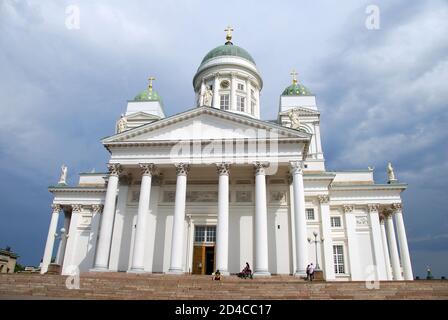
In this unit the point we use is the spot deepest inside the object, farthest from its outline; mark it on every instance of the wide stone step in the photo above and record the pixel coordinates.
(150, 286)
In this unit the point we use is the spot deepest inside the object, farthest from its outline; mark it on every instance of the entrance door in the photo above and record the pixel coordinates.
(209, 260)
(204, 250)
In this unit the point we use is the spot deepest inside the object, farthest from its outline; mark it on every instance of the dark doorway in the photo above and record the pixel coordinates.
(209, 260)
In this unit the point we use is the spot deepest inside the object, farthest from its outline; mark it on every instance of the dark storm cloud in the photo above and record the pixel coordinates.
(382, 93)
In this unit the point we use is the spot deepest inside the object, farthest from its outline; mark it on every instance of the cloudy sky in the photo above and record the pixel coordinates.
(382, 93)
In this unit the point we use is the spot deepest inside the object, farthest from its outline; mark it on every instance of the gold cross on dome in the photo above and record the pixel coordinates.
(229, 30)
(150, 79)
(294, 76)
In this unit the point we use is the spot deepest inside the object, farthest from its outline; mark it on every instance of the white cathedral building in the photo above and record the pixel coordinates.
(215, 186)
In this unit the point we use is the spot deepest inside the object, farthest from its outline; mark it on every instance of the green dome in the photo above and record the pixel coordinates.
(228, 50)
(147, 95)
(296, 89)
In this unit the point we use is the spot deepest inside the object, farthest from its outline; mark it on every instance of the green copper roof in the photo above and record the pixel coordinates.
(147, 95)
(228, 50)
(296, 89)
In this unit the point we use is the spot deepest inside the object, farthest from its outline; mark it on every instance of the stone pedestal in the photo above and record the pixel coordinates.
(318, 275)
(54, 268)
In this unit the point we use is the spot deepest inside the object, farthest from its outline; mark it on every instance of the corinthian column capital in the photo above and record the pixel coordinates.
(114, 169)
(223, 168)
(182, 169)
(296, 167)
(147, 168)
(56, 207)
(396, 207)
(97, 208)
(323, 198)
(76, 207)
(347, 208)
(373, 207)
(260, 167)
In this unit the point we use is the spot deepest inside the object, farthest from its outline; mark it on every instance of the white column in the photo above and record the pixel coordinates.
(301, 242)
(385, 248)
(248, 97)
(261, 223)
(352, 244)
(63, 241)
(396, 269)
(376, 240)
(216, 98)
(233, 92)
(107, 221)
(258, 103)
(403, 243)
(143, 208)
(50, 238)
(326, 237)
(222, 235)
(177, 242)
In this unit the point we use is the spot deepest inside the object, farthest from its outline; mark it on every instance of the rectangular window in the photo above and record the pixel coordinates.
(240, 86)
(335, 222)
(310, 214)
(338, 256)
(199, 234)
(225, 102)
(205, 234)
(252, 93)
(252, 108)
(240, 102)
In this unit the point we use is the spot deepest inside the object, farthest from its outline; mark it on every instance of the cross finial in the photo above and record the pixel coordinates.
(294, 76)
(229, 30)
(150, 79)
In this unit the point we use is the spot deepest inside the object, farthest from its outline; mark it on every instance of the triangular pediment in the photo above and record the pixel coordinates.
(205, 123)
(138, 116)
(302, 111)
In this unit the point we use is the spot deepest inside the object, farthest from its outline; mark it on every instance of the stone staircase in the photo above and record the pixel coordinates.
(169, 287)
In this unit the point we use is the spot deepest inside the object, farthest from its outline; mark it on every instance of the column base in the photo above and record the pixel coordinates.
(175, 271)
(300, 274)
(224, 273)
(261, 274)
(100, 269)
(136, 270)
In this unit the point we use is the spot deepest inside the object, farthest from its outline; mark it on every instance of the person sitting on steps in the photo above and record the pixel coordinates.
(217, 276)
(246, 273)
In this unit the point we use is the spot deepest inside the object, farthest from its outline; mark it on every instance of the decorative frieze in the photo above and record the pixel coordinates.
(243, 196)
(192, 196)
(278, 197)
(362, 221)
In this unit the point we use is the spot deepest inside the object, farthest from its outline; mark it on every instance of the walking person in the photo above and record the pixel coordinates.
(310, 272)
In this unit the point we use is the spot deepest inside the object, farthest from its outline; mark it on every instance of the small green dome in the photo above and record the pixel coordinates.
(148, 95)
(296, 89)
(228, 49)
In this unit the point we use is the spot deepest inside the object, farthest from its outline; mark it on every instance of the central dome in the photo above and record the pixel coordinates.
(228, 49)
